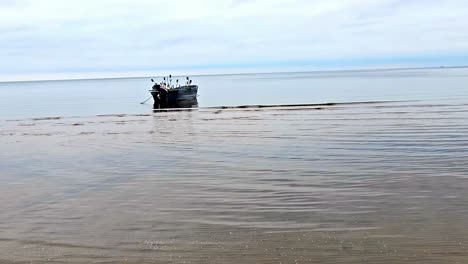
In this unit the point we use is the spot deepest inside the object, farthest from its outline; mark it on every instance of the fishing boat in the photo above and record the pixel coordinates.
(174, 97)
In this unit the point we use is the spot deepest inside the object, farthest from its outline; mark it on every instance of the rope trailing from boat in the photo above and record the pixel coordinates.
(146, 100)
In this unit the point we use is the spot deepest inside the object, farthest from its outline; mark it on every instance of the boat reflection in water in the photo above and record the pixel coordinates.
(168, 96)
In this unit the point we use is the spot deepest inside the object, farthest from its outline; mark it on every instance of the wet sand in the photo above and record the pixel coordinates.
(352, 183)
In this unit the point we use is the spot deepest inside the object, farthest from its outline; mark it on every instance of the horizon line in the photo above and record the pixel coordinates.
(241, 73)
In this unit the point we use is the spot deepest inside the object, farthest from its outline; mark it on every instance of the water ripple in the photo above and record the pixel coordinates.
(383, 183)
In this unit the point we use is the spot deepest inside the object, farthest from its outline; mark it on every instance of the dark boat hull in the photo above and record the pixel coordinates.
(183, 97)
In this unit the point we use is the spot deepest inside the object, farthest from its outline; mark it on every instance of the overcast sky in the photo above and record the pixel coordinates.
(57, 38)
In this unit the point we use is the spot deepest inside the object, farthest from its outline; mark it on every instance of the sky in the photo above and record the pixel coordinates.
(54, 39)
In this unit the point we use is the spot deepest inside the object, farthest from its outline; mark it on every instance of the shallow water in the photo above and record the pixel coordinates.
(345, 183)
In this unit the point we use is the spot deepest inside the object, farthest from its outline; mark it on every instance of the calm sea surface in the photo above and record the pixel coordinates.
(90, 175)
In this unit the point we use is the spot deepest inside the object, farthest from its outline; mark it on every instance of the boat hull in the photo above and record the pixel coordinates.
(182, 97)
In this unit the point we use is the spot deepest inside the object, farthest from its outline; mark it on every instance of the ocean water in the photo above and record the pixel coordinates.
(89, 175)
(123, 96)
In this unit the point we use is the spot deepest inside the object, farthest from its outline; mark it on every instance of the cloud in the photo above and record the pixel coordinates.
(54, 36)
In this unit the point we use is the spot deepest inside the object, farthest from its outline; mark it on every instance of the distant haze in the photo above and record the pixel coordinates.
(52, 39)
